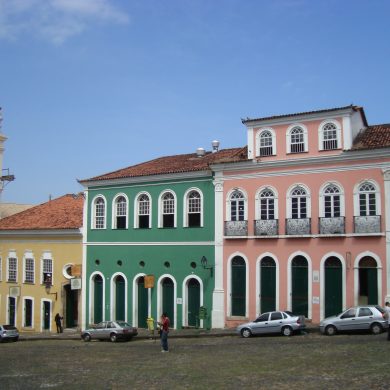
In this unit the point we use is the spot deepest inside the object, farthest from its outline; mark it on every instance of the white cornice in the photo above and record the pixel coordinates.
(145, 179)
(150, 243)
(35, 233)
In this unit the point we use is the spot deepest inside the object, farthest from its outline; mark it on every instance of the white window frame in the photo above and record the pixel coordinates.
(47, 256)
(356, 193)
(93, 213)
(28, 256)
(161, 208)
(186, 205)
(289, 200)
(1, 269)
(258, 201)
(322, 198)
(115, 211)
(321, 134)
(228, 203)
(258, 141)
(288, 136)
(12, 255)
(136, 209)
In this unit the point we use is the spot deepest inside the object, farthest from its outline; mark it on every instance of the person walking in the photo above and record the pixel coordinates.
(164, 326)
(58, 319)
(387, 308)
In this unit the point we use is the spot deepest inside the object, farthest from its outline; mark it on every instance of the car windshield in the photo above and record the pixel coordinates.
(123, 324)
(9, 327)
(290, 313)
(380, 309)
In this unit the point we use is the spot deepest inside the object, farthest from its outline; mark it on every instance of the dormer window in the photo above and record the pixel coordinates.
(168, 210)
(329, 135)
(143, 209)
(266, 147)
(120, 213)
(297, 140)
(99, 213)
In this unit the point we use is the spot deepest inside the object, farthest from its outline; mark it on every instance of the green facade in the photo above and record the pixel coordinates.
(172, 253)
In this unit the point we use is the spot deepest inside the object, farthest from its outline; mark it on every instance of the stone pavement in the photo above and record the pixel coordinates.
(73, 334)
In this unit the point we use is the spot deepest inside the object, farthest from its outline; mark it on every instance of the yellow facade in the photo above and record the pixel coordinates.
(33, 304)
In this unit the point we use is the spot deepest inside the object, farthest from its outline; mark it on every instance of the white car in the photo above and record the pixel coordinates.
(283, 322)
(9, 332)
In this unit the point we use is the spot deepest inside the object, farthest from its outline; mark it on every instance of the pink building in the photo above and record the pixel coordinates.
(301, 220)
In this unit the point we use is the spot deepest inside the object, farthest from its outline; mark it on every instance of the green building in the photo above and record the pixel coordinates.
(153, 221)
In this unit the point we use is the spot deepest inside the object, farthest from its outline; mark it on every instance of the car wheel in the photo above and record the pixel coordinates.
(86, 337)
(246, 333)
(113, 337)
(16, 339)
(376, 328)
(287, 331)
(330, 330)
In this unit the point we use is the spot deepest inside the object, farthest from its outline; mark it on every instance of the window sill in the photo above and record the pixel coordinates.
(29, 283)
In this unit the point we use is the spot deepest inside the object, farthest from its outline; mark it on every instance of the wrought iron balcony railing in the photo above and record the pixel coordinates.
(333, 225)
(266, 227)
(367, 224)
(236, 228)
(298, 227)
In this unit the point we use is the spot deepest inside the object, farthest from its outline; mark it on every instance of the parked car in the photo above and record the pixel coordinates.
(110, 330)
(357, 318)
(283, 322)
(9, 332)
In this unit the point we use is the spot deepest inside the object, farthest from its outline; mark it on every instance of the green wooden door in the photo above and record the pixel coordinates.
(168, 299)
(238, 294)
(12, 311)
(46, 315)
(142, 303)
(97, 299)
(120, 298)
(71, 308)
(299, 283)
(372, 286)
(193, 302)
(333, 287)
(267, 285)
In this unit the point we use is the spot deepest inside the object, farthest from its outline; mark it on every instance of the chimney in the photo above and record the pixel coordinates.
(215, 145)
(200, 152)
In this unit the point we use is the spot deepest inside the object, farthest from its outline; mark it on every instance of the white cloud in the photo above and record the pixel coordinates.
(55, 20)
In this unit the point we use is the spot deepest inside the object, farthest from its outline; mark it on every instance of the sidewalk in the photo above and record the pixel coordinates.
(73, 334)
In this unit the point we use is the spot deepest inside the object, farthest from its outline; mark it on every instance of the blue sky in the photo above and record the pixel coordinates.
(91, 86)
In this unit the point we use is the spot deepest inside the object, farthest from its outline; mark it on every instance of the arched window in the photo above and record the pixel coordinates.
(332, 201)
(266, 143)
(367, 199)
(120, 213)
(143, 212)
(194, 209)
(99, 213)
(168, 210)
(299, 203)
(267, 204)
(330, 136)
(237, 206)
(297, 140)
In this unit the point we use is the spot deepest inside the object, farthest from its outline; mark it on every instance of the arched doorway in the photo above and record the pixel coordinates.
(267, 284)
(120, 298)
(193, 304)
(299, 286)
(333, 286)
(97, 299)
(238, 283)
(168, 296)
(142, 302)
(368, 281)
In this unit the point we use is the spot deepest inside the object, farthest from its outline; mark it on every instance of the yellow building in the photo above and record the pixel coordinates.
(40, 265)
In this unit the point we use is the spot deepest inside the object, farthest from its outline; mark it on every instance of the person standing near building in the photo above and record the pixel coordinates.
(58, 319)
(164, 326)
(387, 308)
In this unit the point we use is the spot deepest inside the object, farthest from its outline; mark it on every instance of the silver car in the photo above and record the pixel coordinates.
(283, 322)
(110, 330)
(8, 332)
(357, 318)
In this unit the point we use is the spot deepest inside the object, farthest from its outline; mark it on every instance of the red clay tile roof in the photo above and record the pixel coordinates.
(373, 137)
(355, 108)
(176, 164)
(65, 212)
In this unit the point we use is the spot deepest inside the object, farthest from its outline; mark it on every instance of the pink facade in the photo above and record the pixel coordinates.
(304, 218)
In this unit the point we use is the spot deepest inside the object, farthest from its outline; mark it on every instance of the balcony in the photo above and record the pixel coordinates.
(236, 228)
(367, 224)
(266, 227)
(334, 225)
(298, 227)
